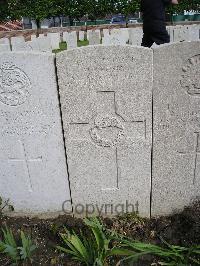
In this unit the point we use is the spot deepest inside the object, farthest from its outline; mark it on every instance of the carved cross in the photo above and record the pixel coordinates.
(26, 162)
(108, 128)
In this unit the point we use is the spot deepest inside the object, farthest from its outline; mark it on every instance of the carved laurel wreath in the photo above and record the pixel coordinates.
(14, 85)
(106, 122)
(190, 78)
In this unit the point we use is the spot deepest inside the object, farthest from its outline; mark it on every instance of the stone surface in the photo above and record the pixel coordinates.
(72, 40)
(117, 37)
(33, 37)
(4, 47)
(99, 32)
(135, 36)
(44, 44)
(171, 33)
(106, 104)
(5, 41)
(181, 34)
(176, 128)
(94, 38)
(54, 40)
(17, 40)
(81, 35)
(32, 159)
(125, 33)
(26, 46)
(193, 33)
(65, 36)
(106, 32)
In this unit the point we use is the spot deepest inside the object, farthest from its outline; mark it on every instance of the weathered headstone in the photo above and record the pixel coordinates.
(94, 38)
(125, 33)
(106, 32)
(17, 40)
(5, 41)
(181, 34)
(32, 161)
(4, 47)
(54, 39)
(33, 37)
(176, 128)
(88, 34)
(107, 40)
(99, 33)
(193, 33)
(65, 36)
(116, 37)
(106, 104)
(81, 35)
(170, 31)
(135, 36)
(26, 46)
(44, 44)
(72, 40)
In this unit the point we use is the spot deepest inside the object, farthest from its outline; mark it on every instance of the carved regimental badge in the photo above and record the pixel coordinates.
(107, 131)
(14, 85)
(191, 76)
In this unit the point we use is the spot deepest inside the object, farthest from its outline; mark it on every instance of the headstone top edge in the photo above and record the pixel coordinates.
(44, 54)
(89, 47)
(174, 44)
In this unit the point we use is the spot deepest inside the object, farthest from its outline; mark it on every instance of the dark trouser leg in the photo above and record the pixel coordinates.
(161, 37)
(147, 40)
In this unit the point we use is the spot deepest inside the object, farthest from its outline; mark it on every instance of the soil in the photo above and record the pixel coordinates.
(180, 229)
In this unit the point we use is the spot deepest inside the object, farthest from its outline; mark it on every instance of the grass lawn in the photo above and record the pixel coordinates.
(63, 46)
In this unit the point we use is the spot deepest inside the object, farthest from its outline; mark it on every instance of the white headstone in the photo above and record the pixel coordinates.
(54, 39)
(33, 37)
(72, 40)
(44, 44)
(107, 40)
(181, 34)
(5, 41)
(94, 38)
(4, 47)
(21, 47)
(99, 33)
(88, 34)
(32, 159)
(81, 35)
(108, 124)
(176, 133)
(125, 33)
(170, 31)
(65, 36)
(135, 36)
(106, 32)
(17, 40)
(193, 33)
(116, 37)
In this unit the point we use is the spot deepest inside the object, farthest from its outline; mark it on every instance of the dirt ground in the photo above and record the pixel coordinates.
(181, 229)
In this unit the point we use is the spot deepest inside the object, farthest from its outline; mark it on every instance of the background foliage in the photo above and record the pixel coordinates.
(77, 9)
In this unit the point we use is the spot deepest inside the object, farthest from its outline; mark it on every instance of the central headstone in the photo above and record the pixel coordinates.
(106, 105)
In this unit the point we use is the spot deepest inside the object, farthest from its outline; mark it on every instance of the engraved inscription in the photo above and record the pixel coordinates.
(190, 78)
(14, 85)
(97, 133)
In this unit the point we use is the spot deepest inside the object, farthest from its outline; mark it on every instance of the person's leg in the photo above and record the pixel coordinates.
(147, 40)
(161, 37)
